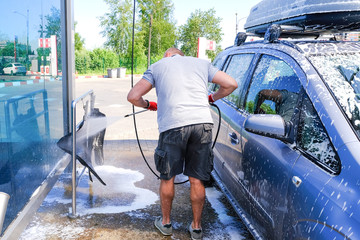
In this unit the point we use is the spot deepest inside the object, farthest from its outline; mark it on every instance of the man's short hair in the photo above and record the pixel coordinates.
(174, 50)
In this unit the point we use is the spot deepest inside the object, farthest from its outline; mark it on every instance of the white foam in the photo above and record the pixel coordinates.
(118, 181)
(41, 231)
(229, 222)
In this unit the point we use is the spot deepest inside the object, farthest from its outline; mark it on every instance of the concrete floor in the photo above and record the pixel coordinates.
(126, 207)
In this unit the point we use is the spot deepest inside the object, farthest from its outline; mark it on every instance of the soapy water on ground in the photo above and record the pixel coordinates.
(129, 198)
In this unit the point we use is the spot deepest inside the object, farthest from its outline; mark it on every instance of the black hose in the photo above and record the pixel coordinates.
(218, 130)
(132, 85)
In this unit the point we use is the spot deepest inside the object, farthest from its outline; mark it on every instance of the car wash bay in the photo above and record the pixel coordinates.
(127, 206)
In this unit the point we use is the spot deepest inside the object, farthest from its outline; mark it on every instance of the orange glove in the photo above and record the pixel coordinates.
(152, 106)
(211, 99)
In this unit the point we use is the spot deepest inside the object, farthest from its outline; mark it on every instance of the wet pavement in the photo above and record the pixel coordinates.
(126, 207)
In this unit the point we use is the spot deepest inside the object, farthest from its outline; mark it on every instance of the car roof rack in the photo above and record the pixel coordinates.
(271, 35)
(308, 18)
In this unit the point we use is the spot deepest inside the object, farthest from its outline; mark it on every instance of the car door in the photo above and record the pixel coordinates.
(312, 198)
(227, 151)
(266, 162)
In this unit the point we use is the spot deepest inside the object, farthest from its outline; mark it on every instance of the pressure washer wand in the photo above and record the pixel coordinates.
(128, 115)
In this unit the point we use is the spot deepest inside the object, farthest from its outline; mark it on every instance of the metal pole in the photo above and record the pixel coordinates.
(73, 130)
(236, 25)
(73, 175)
(149, 47)
(27, 39)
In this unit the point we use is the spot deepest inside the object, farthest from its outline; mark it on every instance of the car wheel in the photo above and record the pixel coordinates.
(11, 73)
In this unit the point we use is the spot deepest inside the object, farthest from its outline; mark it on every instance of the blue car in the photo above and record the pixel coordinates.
(288, 151)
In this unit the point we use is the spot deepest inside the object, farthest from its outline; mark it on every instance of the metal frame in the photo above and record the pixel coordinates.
(68, 59)
(73, 155)
(45, 112)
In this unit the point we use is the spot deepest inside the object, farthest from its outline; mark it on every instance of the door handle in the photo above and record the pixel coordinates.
(296, 181)
(234, 138)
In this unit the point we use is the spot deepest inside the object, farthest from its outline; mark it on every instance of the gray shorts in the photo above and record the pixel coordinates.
(190, 145)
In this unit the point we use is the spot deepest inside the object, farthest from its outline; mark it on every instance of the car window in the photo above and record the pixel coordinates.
(17, 64)
(274, 88)
(238, 67)
(341, 73)
(313, 139)
(219, 60)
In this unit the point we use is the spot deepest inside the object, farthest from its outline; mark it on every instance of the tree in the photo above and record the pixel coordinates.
(82, 61)
(52, 25)
(118, 25)
(103, 58)
(200, 24)
(79, 41)
(157, 26)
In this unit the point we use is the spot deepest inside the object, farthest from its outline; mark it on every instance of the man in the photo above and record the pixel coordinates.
(185, 124)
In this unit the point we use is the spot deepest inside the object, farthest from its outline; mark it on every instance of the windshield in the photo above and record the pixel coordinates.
(342, 73)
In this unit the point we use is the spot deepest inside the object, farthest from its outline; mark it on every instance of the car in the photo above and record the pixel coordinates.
(287, 154)
(14, 68)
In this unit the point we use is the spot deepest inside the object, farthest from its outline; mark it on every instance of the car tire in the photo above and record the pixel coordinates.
(11, 73)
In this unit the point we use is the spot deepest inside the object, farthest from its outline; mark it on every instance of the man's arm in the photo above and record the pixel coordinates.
(140, 89)
(227, 85)
(266, 94)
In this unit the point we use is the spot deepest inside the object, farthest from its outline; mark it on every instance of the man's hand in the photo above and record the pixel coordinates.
(211, 98)
(152, 106)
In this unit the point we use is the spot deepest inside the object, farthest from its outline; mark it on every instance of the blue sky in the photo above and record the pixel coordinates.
(86, 14)
(13, 16)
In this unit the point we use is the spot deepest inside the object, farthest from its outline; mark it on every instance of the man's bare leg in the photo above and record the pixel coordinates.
(197, 196)
(167, 192)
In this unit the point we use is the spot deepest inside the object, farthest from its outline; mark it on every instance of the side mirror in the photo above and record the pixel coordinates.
(268, 125)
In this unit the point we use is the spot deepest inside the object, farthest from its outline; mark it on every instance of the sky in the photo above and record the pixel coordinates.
(13, 15)
(87, 13)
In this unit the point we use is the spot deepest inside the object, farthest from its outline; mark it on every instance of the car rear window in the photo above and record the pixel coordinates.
(341, 72)
(18, 65)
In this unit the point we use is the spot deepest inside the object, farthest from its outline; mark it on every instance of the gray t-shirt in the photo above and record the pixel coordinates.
(181, 87)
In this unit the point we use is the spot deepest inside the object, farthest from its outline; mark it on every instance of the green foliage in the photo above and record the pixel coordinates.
(250, 106)
(139, 55)
(42, 54)
(118, 25)
(200, 24)
(52, 25)
(79, 41)
(267, 108)
(82, 61)
(157, 15)
(8, 49)
(103, 58)
(155, 24)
